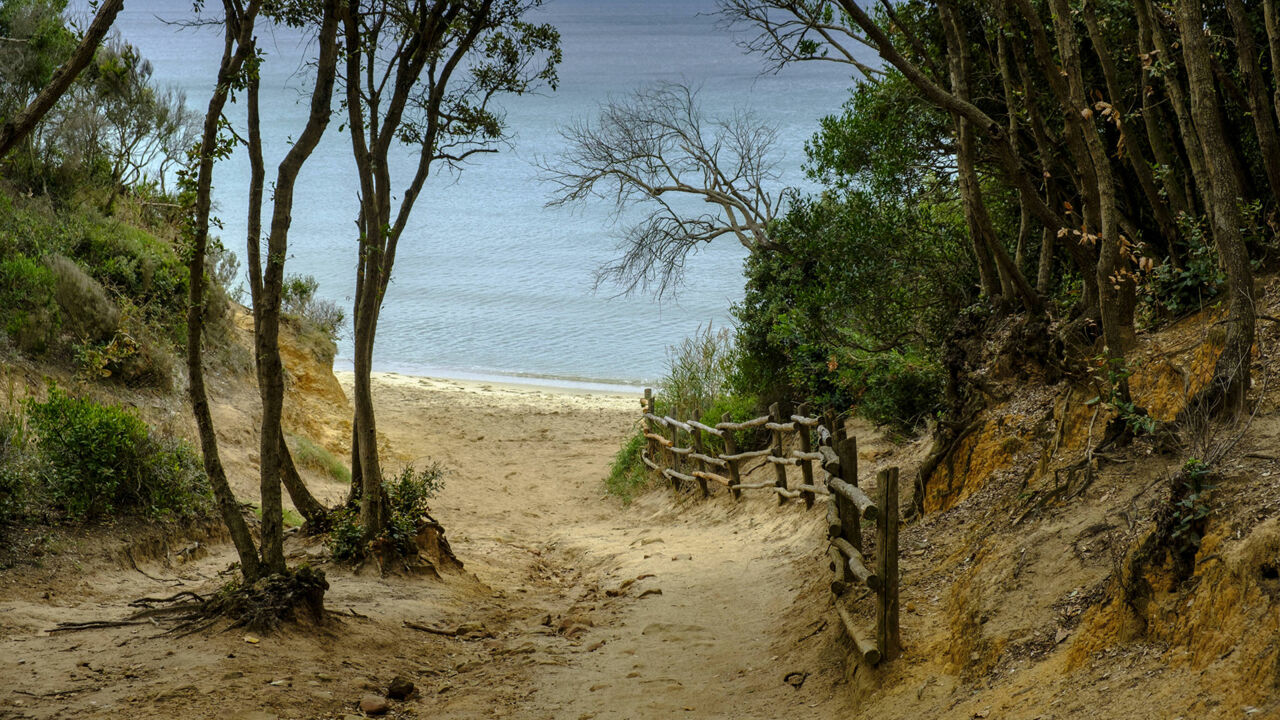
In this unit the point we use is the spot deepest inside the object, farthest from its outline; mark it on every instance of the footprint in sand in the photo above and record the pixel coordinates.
(674, 632)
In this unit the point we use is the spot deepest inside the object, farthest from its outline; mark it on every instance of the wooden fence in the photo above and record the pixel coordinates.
(677, 450)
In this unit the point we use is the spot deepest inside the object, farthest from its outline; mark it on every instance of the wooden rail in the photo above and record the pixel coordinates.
(677, 451)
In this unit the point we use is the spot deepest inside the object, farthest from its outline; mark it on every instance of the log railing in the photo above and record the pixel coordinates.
(677, 451)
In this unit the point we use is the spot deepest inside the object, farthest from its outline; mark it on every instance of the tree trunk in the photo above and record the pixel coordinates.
(1178, 101)
(267, 330)
(1012, 282)
(1260, 106)
(237, 46)
(1230, 383)
(1114, 282)
(1168, 229)
(311, 509)
(1271, 18)
(14, 131)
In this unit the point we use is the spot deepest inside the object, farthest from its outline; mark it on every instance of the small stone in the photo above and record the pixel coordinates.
(401, 687)
(374, 705)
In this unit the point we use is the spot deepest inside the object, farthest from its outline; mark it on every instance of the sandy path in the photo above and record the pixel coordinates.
(681, 606)
(669, 607)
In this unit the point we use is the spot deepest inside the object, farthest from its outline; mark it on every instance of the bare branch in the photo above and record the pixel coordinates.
(655, 149)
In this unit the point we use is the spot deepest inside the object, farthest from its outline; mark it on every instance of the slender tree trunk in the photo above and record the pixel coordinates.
(1260, 106)
(1230, 383)
(1178, 102)
(1168, 228)
(1113, 281)
(315, 513)
(1012, 283)
(270, 365)
(1271, 18)
(237, 46)
(13, 131)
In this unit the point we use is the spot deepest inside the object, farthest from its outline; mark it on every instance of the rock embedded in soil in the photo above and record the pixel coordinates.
(400, 688)
(374, 705)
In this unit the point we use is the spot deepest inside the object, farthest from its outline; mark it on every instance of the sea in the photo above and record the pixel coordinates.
(489, 282)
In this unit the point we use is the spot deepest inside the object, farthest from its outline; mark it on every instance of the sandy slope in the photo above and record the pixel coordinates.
(671, 607)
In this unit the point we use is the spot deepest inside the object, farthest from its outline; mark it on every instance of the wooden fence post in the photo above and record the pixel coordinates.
(888, 636)
(674, 457)
(775, 415)
(806, 465)
(647, 425)
(731, 448)
(696, 434)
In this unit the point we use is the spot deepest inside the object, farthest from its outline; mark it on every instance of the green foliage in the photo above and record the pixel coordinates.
(699, 373)
(308, 454)
(298, 299)
(1177, 291)
(346, 538)
(1190, 507)
(408, 497)
(628, 475)
(896, 388)
(867, 278)
(102, 459)
(20, 485)
(27, 305)
(76, 284)
(1117, 372)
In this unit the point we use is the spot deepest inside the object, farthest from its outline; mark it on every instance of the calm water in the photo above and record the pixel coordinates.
(488, 282)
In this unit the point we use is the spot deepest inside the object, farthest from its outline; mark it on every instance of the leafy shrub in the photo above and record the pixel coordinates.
(299, 300)
(628, 475)
(407, 497)
(1190, 507)
(103, 459)
(19, 482)
(346, 538)
(895, 388)
(1177, 291)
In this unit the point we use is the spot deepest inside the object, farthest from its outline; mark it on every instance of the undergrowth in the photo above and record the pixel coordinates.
(628, 476)
(408, 497)
(307, 453)
(71, 458)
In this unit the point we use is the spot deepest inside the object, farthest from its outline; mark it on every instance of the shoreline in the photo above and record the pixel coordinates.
(545, 382)
(504, 393)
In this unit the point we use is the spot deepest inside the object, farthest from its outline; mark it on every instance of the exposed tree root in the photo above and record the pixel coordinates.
(261, 606)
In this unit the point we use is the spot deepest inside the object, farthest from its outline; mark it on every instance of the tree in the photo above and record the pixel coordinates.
(423, 73)
(17, 127)
(237, 47)
(656, 149)
(1046, 100)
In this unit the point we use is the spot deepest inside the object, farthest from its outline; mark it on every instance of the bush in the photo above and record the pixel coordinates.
(299, 300)
(407, 496)
(1178, 291)
(19, 483)
(102, 459)
(699, 371)
(898, 389)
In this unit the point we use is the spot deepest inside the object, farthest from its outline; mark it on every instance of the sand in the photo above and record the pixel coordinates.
(671, 606)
